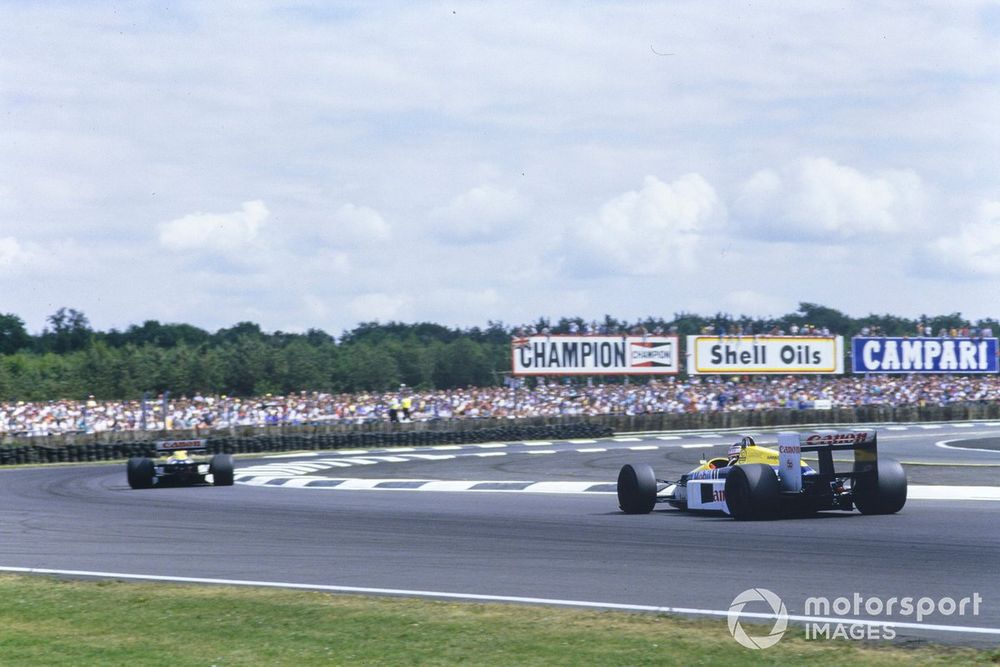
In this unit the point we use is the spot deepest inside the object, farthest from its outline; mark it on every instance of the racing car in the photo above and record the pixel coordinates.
(179, 469)
(755, 482)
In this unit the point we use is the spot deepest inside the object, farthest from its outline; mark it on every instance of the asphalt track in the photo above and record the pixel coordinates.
(552, 546)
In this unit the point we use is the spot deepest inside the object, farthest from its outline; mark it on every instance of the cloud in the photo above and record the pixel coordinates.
(482, 214)
(224, 233)
(11, 253)
(649, 231)
(973, 251)
(377, 306)
(755, 302)
(818, 199)
(44, 261)
(353, 225)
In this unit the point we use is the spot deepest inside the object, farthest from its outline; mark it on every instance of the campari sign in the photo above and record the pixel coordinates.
(924, 355)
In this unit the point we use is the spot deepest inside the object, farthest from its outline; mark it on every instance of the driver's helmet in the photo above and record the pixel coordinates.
(736, 448)
(179, 456)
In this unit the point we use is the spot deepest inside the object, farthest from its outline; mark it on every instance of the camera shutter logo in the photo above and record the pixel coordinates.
(777, 607)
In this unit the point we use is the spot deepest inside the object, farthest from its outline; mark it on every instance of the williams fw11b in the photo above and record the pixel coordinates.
(756, 482)
(179, 468)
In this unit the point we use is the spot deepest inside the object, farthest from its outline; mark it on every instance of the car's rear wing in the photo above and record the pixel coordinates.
(863, 442)
(168, 446)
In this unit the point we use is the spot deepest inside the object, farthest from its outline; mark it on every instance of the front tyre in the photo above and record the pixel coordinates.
(752, 492)
(636, 489)
(883, 493)
(140, 472)
(221, 467)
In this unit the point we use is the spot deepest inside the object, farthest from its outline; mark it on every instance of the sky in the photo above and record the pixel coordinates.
(317, 165)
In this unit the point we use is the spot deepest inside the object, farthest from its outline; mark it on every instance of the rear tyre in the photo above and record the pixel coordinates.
(752, 492)
(636, 489)
(882, 494)
(140, 472)
(221, 467)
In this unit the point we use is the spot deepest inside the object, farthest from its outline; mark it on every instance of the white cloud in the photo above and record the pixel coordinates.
(482, 214)
(508, 125)
(40, 261)
(224, 233)
(353, 224)
(974, 250)
(11, 252)
(649, 231)
(818, 199)
(377, 306)
(753, 302)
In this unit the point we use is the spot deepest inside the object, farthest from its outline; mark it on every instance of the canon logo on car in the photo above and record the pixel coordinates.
(790, 449)
(850, 438)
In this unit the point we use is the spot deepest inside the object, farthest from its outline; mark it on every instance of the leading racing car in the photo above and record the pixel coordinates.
(757, 482)
(179, 469)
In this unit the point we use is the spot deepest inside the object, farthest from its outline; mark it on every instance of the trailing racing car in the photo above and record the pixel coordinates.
(756, 482)
(179, 469)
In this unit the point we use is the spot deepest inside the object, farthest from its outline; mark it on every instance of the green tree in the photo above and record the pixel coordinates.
(69, 330)
(366, 367)
(245, 363)
(821, 316)
(13, 335)
(462, 364)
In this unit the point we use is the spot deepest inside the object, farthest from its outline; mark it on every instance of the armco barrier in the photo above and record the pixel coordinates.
(118, 445)
(292, 441)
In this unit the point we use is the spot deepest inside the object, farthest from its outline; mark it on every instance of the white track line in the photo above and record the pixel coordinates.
(478, 597)
(914, 492)
(944, 444)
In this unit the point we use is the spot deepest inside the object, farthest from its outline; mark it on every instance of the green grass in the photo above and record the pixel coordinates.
(52, 622)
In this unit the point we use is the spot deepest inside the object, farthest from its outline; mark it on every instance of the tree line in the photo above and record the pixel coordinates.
(69, 359)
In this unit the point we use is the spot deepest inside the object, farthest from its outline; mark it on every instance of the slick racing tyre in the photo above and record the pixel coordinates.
(752, 492)
(884, 493)
(140, 472)
(636, 489)
(221, 467)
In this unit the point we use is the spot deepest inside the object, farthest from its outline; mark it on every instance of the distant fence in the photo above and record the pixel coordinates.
(284, 440)
(123, 444)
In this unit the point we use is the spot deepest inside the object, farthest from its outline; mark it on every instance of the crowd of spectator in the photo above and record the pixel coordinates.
(923, 330)
(519, 400)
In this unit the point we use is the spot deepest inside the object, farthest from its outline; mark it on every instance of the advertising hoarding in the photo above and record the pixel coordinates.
(923, 355)
(595, 355)
(762, 355)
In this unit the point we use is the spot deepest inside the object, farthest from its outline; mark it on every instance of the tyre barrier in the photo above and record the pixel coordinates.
(93, 452)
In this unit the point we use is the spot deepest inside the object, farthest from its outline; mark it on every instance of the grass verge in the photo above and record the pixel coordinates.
(52, 622)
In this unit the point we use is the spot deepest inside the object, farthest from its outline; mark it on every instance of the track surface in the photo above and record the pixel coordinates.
(575, 547)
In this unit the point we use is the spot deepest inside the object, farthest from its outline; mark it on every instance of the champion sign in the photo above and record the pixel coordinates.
(595, 355)
(924, 355)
